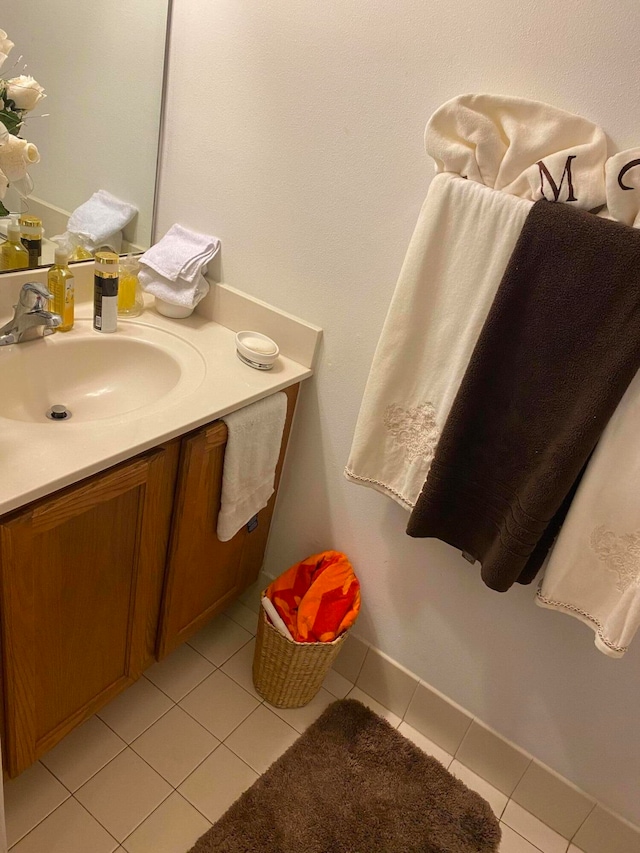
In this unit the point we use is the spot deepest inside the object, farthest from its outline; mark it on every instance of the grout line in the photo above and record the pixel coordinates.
(523, 837)
(583, 822)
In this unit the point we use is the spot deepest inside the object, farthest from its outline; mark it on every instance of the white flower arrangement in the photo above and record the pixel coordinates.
(18, 96)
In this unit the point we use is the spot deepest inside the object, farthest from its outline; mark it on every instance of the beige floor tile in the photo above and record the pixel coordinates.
(525, 824)
(133, 711)
(220, 639)
(217, 783)
(83, 752)
(496, 799)
(175, 745)
(240, 668)
(261, 739)
(243, 615)
(69, 829)
(123, 794)
(376, 707)
(337, 684)
(219, 704)
(174, 827)
(514, 843)
(425, 744)
(574, 849)
(29, 799)
(180, 672)
(301, 718)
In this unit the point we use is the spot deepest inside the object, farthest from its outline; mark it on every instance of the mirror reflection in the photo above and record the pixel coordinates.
(80, 101)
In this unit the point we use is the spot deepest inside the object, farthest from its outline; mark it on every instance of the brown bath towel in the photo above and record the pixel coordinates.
(559, 347)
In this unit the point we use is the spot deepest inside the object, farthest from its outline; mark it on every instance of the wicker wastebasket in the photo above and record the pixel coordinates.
(289, 674)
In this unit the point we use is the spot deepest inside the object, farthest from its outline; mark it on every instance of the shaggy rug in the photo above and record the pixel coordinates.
(352, 784)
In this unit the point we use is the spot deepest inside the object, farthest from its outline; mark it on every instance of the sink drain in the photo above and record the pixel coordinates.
(58, 413)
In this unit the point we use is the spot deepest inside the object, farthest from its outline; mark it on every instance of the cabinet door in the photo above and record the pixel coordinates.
(81, 582)
(204, 575)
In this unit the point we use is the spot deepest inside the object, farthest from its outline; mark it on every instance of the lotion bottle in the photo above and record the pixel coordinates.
(61, 284)
(13, 255)
(105, 292)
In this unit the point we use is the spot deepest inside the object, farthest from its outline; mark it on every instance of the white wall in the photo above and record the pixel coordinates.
(294, 133)
(101, 65)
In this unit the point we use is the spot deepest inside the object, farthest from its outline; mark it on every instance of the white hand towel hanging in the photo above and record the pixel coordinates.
(250, 460)
(464, 238)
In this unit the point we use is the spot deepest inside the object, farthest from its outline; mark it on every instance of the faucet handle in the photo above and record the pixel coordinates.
(36, 302)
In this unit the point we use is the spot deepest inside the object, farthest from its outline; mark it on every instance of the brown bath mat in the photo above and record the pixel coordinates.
(352, 784)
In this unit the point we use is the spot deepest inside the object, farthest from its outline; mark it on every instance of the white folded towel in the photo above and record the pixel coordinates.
(99, 219)
(179, 292)
(181, 254)
(463, 240)
(250, 459)
(593, 572)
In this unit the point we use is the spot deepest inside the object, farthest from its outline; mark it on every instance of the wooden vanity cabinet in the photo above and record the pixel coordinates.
(99, 579)
(81, 583)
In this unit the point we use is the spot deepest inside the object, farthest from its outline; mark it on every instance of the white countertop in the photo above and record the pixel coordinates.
(40, 458)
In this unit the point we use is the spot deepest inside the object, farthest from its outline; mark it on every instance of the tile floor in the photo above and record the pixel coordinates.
(162, 762)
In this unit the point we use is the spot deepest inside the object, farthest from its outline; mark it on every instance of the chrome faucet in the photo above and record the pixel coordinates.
(31, 318)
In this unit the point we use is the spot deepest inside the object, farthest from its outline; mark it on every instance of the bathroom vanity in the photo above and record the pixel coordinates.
(109, 557)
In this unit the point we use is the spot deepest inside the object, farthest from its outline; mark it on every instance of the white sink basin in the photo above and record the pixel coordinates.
(96, 375)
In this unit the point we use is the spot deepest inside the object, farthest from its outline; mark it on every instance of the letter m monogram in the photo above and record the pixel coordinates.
(556, 189)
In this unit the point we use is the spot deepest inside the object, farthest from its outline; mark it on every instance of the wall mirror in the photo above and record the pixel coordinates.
(102, 68)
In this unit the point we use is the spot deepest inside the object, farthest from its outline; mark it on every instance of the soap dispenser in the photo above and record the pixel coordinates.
(61, 284)
(13, 255)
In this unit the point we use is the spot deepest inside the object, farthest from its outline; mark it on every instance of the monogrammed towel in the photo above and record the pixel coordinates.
(593, 572)
(559, 348)
(457, 255)
(522, 147)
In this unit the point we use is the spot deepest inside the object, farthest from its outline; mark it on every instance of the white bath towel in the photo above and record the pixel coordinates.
(523, 147)
(181, 254)
(457, 255)
(250, 459)
(593, 572)
(99, 218)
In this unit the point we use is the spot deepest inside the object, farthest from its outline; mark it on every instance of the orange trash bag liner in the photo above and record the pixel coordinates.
(318, 598)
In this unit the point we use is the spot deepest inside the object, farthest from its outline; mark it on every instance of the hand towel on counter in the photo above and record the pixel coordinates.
(593, 572)
(523, 147)
(250, 459)
(559, 348)
(173, 268)
(460, 248)
(100, 218)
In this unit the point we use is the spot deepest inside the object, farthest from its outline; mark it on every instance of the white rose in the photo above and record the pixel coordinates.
(5, 47)
(24, 91)
(16, 155)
